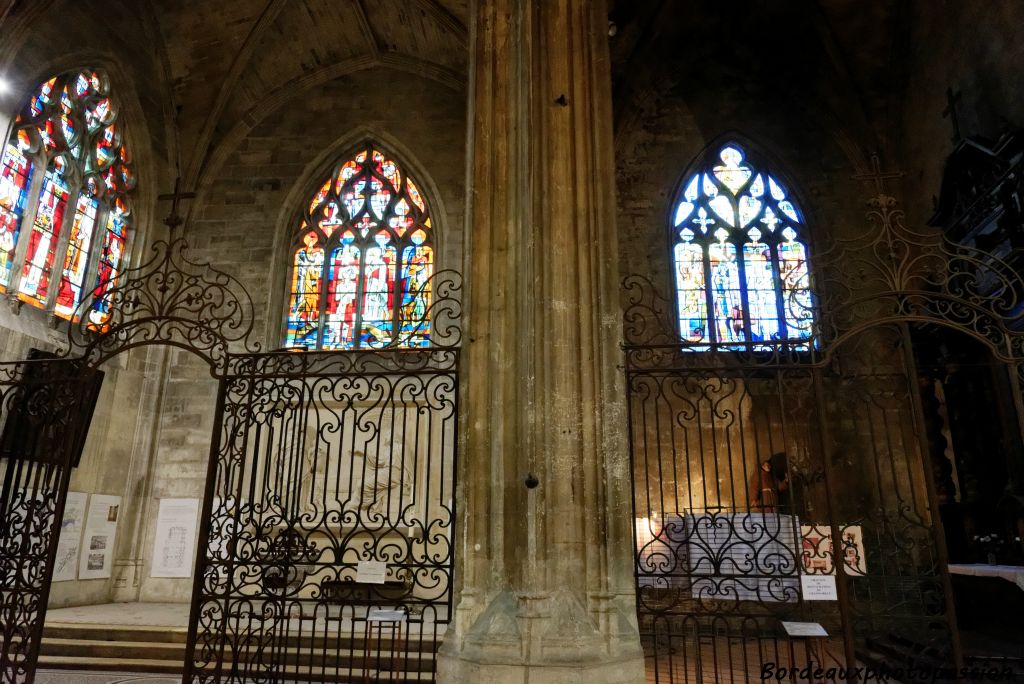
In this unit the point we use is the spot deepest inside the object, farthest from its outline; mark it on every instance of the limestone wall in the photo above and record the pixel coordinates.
(243, 220)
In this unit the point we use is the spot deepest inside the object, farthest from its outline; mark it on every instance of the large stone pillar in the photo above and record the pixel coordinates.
(546, 573)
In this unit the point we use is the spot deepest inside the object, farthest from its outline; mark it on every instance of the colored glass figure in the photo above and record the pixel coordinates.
(796, 291)
(109, 266)
(70, 127)
(69, 292)
(378, 292)
(762, 301)
(35, 277)
(741, 268)
(691, 291)
(341, 314)
(307, 273)
(372, 221)
(417, 267)
(727, 302)
(14, 185)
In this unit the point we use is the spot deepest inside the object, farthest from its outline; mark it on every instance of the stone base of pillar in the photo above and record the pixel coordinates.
(545, 638)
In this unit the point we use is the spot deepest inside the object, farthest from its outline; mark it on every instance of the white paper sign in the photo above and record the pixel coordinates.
(381, 615)
(804, 629)
(100, 532)
(371, 572)
(819, 587)
(65, 565)
(175, 538)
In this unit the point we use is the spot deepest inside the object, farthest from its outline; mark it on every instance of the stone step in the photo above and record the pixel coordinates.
(179, 635)
(344, 657)
(142, 633)
(108, 648)
(142, 665)
(344, 660)
(59, 662)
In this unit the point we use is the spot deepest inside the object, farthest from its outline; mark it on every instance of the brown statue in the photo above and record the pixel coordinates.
(765, 488)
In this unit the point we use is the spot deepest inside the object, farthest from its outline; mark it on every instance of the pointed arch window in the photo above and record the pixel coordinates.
(362, 260)
(65, 195)
(740, 258)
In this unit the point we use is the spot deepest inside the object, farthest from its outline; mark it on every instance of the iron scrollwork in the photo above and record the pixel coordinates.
(41, 408)
(714, 573)
(169, 299)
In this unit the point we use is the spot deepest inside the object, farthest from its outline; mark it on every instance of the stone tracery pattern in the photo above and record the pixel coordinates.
(740, 258)
(65, 194)
(887, 272)
(840, 404)
(361, 272)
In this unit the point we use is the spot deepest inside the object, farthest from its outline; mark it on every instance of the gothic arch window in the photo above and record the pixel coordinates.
(65, 195)
(361, 259)
(740, 257)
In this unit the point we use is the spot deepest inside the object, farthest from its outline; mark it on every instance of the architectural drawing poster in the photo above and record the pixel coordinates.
(65, 565)
(175, 541)
(98, 542)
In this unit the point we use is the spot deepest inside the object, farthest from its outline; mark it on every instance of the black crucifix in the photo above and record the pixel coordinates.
(877, 175)
(173, 220)
(950, 111)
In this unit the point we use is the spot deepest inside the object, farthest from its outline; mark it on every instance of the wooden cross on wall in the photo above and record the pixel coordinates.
(950, 112)
(877, 175)
(173, 220)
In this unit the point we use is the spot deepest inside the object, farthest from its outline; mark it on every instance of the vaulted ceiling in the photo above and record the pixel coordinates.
(845, 57)
(233, 62)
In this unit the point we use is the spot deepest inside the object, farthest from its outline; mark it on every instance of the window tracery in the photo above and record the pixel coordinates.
(362, 260)
(739, 257)
(65, 188)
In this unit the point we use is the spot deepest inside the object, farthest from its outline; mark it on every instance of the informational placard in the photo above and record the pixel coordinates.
(804, 629)
(97, 553)
(818, 587)
(371, 572)
(382, 615)
(65, 565)
(175, 540)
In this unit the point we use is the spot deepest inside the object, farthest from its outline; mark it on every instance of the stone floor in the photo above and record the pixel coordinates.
(69, 677)
(131, 614)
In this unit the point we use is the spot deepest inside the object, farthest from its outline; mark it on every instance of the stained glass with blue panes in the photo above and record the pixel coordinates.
(740, 259)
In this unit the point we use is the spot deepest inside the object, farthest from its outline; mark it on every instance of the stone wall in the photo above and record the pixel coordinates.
(42, 39)
(244, 218)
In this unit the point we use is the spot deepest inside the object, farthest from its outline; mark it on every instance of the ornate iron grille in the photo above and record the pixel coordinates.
(722, 547)
(43, 404)
(328, 467)
(326, 547)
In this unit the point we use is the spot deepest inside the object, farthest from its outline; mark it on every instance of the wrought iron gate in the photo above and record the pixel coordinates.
(326, 544)
(764, 473)
(721, 564)
(45, 405)
(328, 551)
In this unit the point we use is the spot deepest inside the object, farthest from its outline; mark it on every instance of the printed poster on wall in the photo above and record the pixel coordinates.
(98, 542)
(175, 541)
(65, 565)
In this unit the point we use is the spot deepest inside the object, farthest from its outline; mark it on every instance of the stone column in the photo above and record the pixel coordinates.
(545, 572)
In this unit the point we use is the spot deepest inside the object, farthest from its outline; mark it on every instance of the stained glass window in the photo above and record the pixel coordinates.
(362, 260)
(65, 195)
(740, 258)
